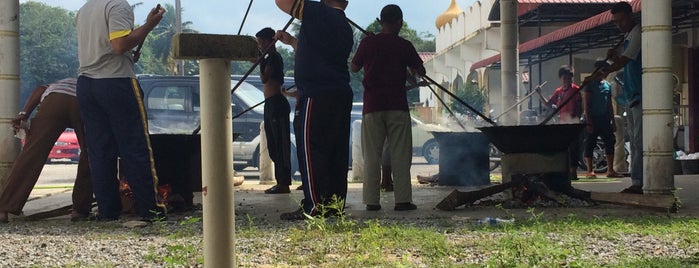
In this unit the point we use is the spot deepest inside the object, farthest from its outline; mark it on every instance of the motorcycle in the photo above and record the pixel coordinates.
(494, 157)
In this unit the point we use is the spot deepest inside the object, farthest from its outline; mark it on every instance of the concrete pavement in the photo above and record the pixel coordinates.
(251, 201)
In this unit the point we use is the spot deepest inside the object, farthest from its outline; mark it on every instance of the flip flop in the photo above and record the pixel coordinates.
(591, 176)
(615, 175)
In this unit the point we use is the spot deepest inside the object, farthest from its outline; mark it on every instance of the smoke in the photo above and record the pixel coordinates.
(164, 126)
(462, 123)
(463, 158)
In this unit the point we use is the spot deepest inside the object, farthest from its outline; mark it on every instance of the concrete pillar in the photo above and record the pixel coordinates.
(509, 32)
(266, 165)
(215, 53)
(357, 155)
(9, 84)
(656, 49)
(217, 162)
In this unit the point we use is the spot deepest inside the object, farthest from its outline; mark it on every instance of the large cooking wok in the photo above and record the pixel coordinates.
(533, 139)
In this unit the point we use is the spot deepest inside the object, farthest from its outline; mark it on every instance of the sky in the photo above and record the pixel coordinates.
(225, 16)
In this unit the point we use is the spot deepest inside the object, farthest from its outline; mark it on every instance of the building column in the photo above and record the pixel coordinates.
(214, 52)
(510, 58)
(656, 49)
(9, 84)
(217, 162)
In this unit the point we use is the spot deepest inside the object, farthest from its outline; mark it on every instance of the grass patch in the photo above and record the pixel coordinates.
(533, 242)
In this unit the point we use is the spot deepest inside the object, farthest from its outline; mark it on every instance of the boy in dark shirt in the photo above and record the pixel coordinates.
(276, 114)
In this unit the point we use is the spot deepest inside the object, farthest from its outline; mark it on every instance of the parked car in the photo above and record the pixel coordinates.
(424, 143)
(256, 81)
(66, 147)
(173, 107)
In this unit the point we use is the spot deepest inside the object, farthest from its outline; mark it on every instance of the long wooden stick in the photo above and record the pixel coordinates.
(140, 45)
(461, 101)
(435, 83)
(583, 85)
(245, 17)
(245, 76)
(446, 107)
(267, 49)
(522, 100)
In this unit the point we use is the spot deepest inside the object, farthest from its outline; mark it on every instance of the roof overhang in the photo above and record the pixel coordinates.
(594, 32)
(548, 11)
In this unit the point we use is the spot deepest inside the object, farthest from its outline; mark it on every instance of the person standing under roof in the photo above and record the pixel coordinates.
(570, 113)
(599, 122)
(325, 100)
(630, 61)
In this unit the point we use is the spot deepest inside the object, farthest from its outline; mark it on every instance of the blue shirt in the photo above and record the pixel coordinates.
(598, 98)
(633, 74)
(322, 51)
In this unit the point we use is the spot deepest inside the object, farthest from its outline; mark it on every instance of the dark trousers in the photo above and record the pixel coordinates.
(276, 120)
(601, 127)
(322, 138)
(115, 126)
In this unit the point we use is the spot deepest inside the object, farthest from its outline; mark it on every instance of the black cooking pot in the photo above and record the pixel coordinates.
(533, 138)
(463, 158)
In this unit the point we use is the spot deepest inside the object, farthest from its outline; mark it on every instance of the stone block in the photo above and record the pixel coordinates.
(190, 46)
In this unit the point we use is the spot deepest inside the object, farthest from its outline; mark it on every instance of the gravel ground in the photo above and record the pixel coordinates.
(59, 243)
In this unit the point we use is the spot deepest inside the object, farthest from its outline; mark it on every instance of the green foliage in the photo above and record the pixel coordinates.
(48, 45)
(423, 42)
(471, 94)
(156, 57)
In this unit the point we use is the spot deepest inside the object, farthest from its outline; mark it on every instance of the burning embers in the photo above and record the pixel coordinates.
(546, 190)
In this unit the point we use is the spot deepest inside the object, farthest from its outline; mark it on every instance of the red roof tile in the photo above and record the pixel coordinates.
(425, 56)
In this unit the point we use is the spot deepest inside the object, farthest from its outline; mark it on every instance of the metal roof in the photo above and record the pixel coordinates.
(537, 11)
(597, 31)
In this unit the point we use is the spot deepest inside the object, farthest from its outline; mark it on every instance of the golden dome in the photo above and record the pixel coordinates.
(450, 14)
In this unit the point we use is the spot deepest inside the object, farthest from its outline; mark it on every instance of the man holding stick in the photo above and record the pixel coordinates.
(324, 103)
(111, 105)
(384, 58)
(276, 115)
(630, 61)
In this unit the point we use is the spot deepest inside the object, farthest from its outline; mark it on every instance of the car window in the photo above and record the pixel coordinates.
(250, 95)
(171, 98)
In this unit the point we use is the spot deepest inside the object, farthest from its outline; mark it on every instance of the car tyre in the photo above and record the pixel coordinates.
(430, 151)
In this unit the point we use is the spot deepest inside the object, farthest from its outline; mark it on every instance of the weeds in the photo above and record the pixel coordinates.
(324, 222)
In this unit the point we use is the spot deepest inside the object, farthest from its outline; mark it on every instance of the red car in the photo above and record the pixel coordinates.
(66, 147)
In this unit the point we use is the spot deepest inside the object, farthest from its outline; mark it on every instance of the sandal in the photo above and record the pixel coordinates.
(591, 176)
(614, 175)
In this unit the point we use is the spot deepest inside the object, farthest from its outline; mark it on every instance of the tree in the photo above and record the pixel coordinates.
(49, 46)
(156, 55)
(423, 43)
(471, 94)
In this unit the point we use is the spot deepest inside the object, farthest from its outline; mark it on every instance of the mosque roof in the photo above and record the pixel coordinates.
(449, 15)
